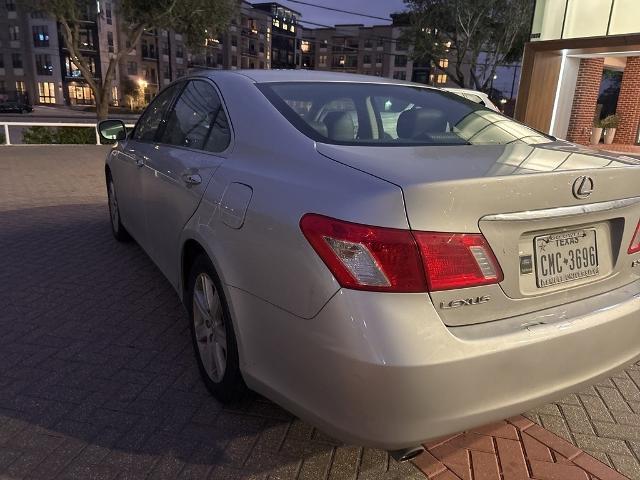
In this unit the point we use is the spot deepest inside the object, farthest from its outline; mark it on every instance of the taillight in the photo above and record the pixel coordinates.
(363, 257)
(372, 258)
(457, 260)
(634, 247)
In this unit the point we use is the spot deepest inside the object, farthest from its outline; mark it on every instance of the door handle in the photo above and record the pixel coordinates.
(192, 179)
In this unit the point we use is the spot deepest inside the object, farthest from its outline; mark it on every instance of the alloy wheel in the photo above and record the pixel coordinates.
(209, 327)
(113, 208)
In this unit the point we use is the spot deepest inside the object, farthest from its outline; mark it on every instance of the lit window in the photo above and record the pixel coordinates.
(293, 28)
(285, 26)
(304, 46)
(441, 78)
(47, 93)
(443, 63)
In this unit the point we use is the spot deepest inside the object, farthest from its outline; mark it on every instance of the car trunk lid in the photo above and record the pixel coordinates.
(521, 198)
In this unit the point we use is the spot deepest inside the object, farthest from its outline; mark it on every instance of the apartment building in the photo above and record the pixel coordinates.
(29, 56)
(380, 50)
(286, 33)
(369, 50)
(35, 65)
(246, 44)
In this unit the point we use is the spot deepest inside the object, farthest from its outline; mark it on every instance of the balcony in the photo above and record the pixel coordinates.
(249, 32)
(248, 52)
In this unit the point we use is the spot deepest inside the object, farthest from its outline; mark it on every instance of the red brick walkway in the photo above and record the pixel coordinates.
(616, 147)
(514, 449)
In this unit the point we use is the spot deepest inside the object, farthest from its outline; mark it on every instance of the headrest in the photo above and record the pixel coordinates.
(340, 126)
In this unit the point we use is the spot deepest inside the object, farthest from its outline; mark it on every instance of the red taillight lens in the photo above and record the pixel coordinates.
(372, 258)
(635, 241)
(456, 260)
(363, 257)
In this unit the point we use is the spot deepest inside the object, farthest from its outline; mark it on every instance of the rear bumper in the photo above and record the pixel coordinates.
(382, 370)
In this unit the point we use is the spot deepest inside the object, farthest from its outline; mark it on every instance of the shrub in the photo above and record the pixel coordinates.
(611, 121)
(61, 135)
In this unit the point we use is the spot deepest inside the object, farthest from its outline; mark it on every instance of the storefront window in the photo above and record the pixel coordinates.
(80, 95)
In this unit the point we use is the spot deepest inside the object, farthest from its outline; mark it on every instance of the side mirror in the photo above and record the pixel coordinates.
(112, 131)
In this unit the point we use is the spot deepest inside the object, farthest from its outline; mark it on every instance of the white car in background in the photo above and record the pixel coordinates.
(475, 96)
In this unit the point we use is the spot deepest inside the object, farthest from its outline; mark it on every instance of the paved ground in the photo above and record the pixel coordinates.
(97, 375)
(97, 378)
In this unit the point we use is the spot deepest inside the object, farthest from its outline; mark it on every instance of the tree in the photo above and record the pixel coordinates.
(196, 20)
(482, 34)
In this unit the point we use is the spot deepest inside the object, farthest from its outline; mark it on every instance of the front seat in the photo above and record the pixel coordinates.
(340, 126)
(417, 122)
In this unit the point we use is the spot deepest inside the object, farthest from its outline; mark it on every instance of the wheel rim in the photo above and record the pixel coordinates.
(210, 331)
(113, 207)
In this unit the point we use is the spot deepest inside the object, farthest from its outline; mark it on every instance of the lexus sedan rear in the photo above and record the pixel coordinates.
(390, 262)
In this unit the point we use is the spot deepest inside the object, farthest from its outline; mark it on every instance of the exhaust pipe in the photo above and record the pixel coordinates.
(406, 454)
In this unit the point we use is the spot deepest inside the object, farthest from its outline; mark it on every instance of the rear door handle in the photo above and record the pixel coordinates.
(192, 179)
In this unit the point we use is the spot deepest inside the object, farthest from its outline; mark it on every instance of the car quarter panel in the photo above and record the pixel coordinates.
(269, 256)
(381, 370)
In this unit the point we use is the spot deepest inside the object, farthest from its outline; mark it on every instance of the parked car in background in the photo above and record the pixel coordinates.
(388, 281)
(475, 96)
(15, 107)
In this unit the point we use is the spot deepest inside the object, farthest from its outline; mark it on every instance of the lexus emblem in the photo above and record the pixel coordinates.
(582, 187)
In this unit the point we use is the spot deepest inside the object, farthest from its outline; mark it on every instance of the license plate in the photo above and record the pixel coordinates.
(565, 257)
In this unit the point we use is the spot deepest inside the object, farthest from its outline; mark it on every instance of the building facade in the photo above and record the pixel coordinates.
(30, 68)
(376, 50)
(285, 43)
(35, 65)
(381, 50)
(246, 44)
(582, 65)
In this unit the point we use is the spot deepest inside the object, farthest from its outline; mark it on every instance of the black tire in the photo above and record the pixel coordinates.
(230, 388)
(119, 232)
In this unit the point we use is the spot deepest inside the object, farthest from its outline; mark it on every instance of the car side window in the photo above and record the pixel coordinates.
(198, 120)
(151, 119)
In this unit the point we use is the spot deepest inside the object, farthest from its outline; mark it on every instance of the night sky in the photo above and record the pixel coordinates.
(380, 8)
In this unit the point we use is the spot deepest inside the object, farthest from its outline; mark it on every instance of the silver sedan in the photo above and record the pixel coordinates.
(389, 261)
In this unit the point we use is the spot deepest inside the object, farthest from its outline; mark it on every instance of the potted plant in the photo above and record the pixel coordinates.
(596, 131)
(610, 123)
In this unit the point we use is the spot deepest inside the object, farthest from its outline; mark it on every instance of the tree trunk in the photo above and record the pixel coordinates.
(102, 106)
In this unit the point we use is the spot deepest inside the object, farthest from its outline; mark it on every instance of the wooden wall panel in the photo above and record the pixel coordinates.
(542, 90)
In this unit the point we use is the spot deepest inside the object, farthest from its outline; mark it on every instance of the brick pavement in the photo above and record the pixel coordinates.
(97, 378)
(97, 375)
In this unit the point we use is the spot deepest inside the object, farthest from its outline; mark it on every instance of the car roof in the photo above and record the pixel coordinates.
(266, 76)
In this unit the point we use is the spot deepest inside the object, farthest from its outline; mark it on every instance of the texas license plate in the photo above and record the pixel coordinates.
(565, 257)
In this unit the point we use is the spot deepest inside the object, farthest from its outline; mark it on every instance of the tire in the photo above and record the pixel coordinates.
(214, 340)
(119, 232)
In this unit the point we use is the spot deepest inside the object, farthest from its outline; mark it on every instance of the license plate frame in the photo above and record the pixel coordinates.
(572, 268)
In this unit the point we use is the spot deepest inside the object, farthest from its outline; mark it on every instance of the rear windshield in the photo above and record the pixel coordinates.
(388, 115)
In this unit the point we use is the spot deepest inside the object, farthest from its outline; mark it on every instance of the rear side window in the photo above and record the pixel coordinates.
(387, 114)
(152, 118)
(198, 120)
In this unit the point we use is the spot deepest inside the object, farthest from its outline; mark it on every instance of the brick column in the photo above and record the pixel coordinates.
(585, 100)
(629, 103)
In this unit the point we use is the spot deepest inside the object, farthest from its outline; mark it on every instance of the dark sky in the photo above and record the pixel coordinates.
(379, 8)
